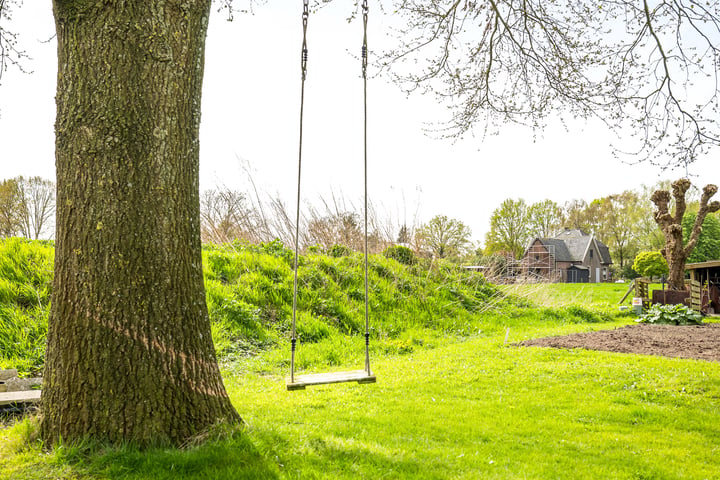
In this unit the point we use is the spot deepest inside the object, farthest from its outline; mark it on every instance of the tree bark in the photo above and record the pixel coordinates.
(130, 355)
(675, 251)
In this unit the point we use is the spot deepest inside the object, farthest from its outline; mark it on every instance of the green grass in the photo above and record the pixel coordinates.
(453, 399)
(25, 284)
(604, 295)
(470, 409)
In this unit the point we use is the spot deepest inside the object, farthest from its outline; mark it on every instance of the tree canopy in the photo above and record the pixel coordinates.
(509, 228)
(444, 236)
(708, 243)
(648, 68)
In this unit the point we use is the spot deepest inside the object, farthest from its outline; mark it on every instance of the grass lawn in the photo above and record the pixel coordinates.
(603, 295)
(469, 408)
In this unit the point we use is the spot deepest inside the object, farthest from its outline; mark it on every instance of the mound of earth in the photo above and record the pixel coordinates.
(700, 342)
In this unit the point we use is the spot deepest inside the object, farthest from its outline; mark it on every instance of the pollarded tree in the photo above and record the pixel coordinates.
(130, 355)
(676, 251)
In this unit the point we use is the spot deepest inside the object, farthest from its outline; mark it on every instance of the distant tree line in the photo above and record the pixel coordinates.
(625, 222)
(27, 207)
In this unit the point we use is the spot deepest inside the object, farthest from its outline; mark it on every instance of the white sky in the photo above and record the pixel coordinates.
(251, 114)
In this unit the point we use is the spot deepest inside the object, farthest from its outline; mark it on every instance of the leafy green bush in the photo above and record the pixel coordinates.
(650, 264)
(671, 315)
(400, 253)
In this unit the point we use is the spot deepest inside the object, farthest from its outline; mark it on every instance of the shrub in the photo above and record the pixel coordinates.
(338, 251)
(671, 315)
(311, 328)
(402, 254)
(650, 264)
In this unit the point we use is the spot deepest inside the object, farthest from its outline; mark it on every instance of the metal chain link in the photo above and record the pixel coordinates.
(364, 46)
(304, 56)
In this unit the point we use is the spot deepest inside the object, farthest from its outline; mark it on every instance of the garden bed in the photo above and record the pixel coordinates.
(701, 342)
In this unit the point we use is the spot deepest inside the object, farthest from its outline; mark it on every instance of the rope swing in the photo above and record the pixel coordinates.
(360, 376)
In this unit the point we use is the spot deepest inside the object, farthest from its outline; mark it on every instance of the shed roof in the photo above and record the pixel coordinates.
(699, 265)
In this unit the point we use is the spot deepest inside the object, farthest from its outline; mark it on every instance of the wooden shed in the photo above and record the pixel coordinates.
(705, 285)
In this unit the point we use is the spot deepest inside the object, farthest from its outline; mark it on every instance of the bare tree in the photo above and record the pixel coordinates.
(226, 216)
(37, 205)
(675, 250)
(651, 68)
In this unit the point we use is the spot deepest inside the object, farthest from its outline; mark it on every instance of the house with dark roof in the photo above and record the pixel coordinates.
(571, 257)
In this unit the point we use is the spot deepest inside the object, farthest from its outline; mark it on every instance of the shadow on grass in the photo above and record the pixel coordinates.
(234, 456)
(259, 454)
(231, 458)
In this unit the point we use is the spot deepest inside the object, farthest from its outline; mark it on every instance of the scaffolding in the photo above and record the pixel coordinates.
(538, 265)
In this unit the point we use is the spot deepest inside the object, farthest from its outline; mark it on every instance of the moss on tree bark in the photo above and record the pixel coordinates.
(130, 355)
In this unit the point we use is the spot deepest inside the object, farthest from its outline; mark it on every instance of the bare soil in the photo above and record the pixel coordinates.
(700, 342)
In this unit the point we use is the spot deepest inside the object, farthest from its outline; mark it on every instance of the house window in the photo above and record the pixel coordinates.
(537, 257)
(591, 253)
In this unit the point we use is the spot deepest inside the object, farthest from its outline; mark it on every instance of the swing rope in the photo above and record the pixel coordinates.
(365, 164)
(303, 69)
(363, 376)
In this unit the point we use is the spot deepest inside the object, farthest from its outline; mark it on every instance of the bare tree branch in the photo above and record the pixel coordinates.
(649, 68)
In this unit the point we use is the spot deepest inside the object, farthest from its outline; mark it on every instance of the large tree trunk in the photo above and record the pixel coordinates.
(130, 356)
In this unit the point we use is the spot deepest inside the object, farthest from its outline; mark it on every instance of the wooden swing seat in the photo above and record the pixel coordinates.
(302, 381)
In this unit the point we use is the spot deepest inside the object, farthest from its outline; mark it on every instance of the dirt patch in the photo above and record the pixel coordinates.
(700, 342)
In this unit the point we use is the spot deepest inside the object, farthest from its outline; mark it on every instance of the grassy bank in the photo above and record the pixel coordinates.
(453, 399)
(249, 294)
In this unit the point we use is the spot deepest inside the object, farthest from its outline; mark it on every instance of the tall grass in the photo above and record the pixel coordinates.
(253, 285)
(25, 284)
(249, 294)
